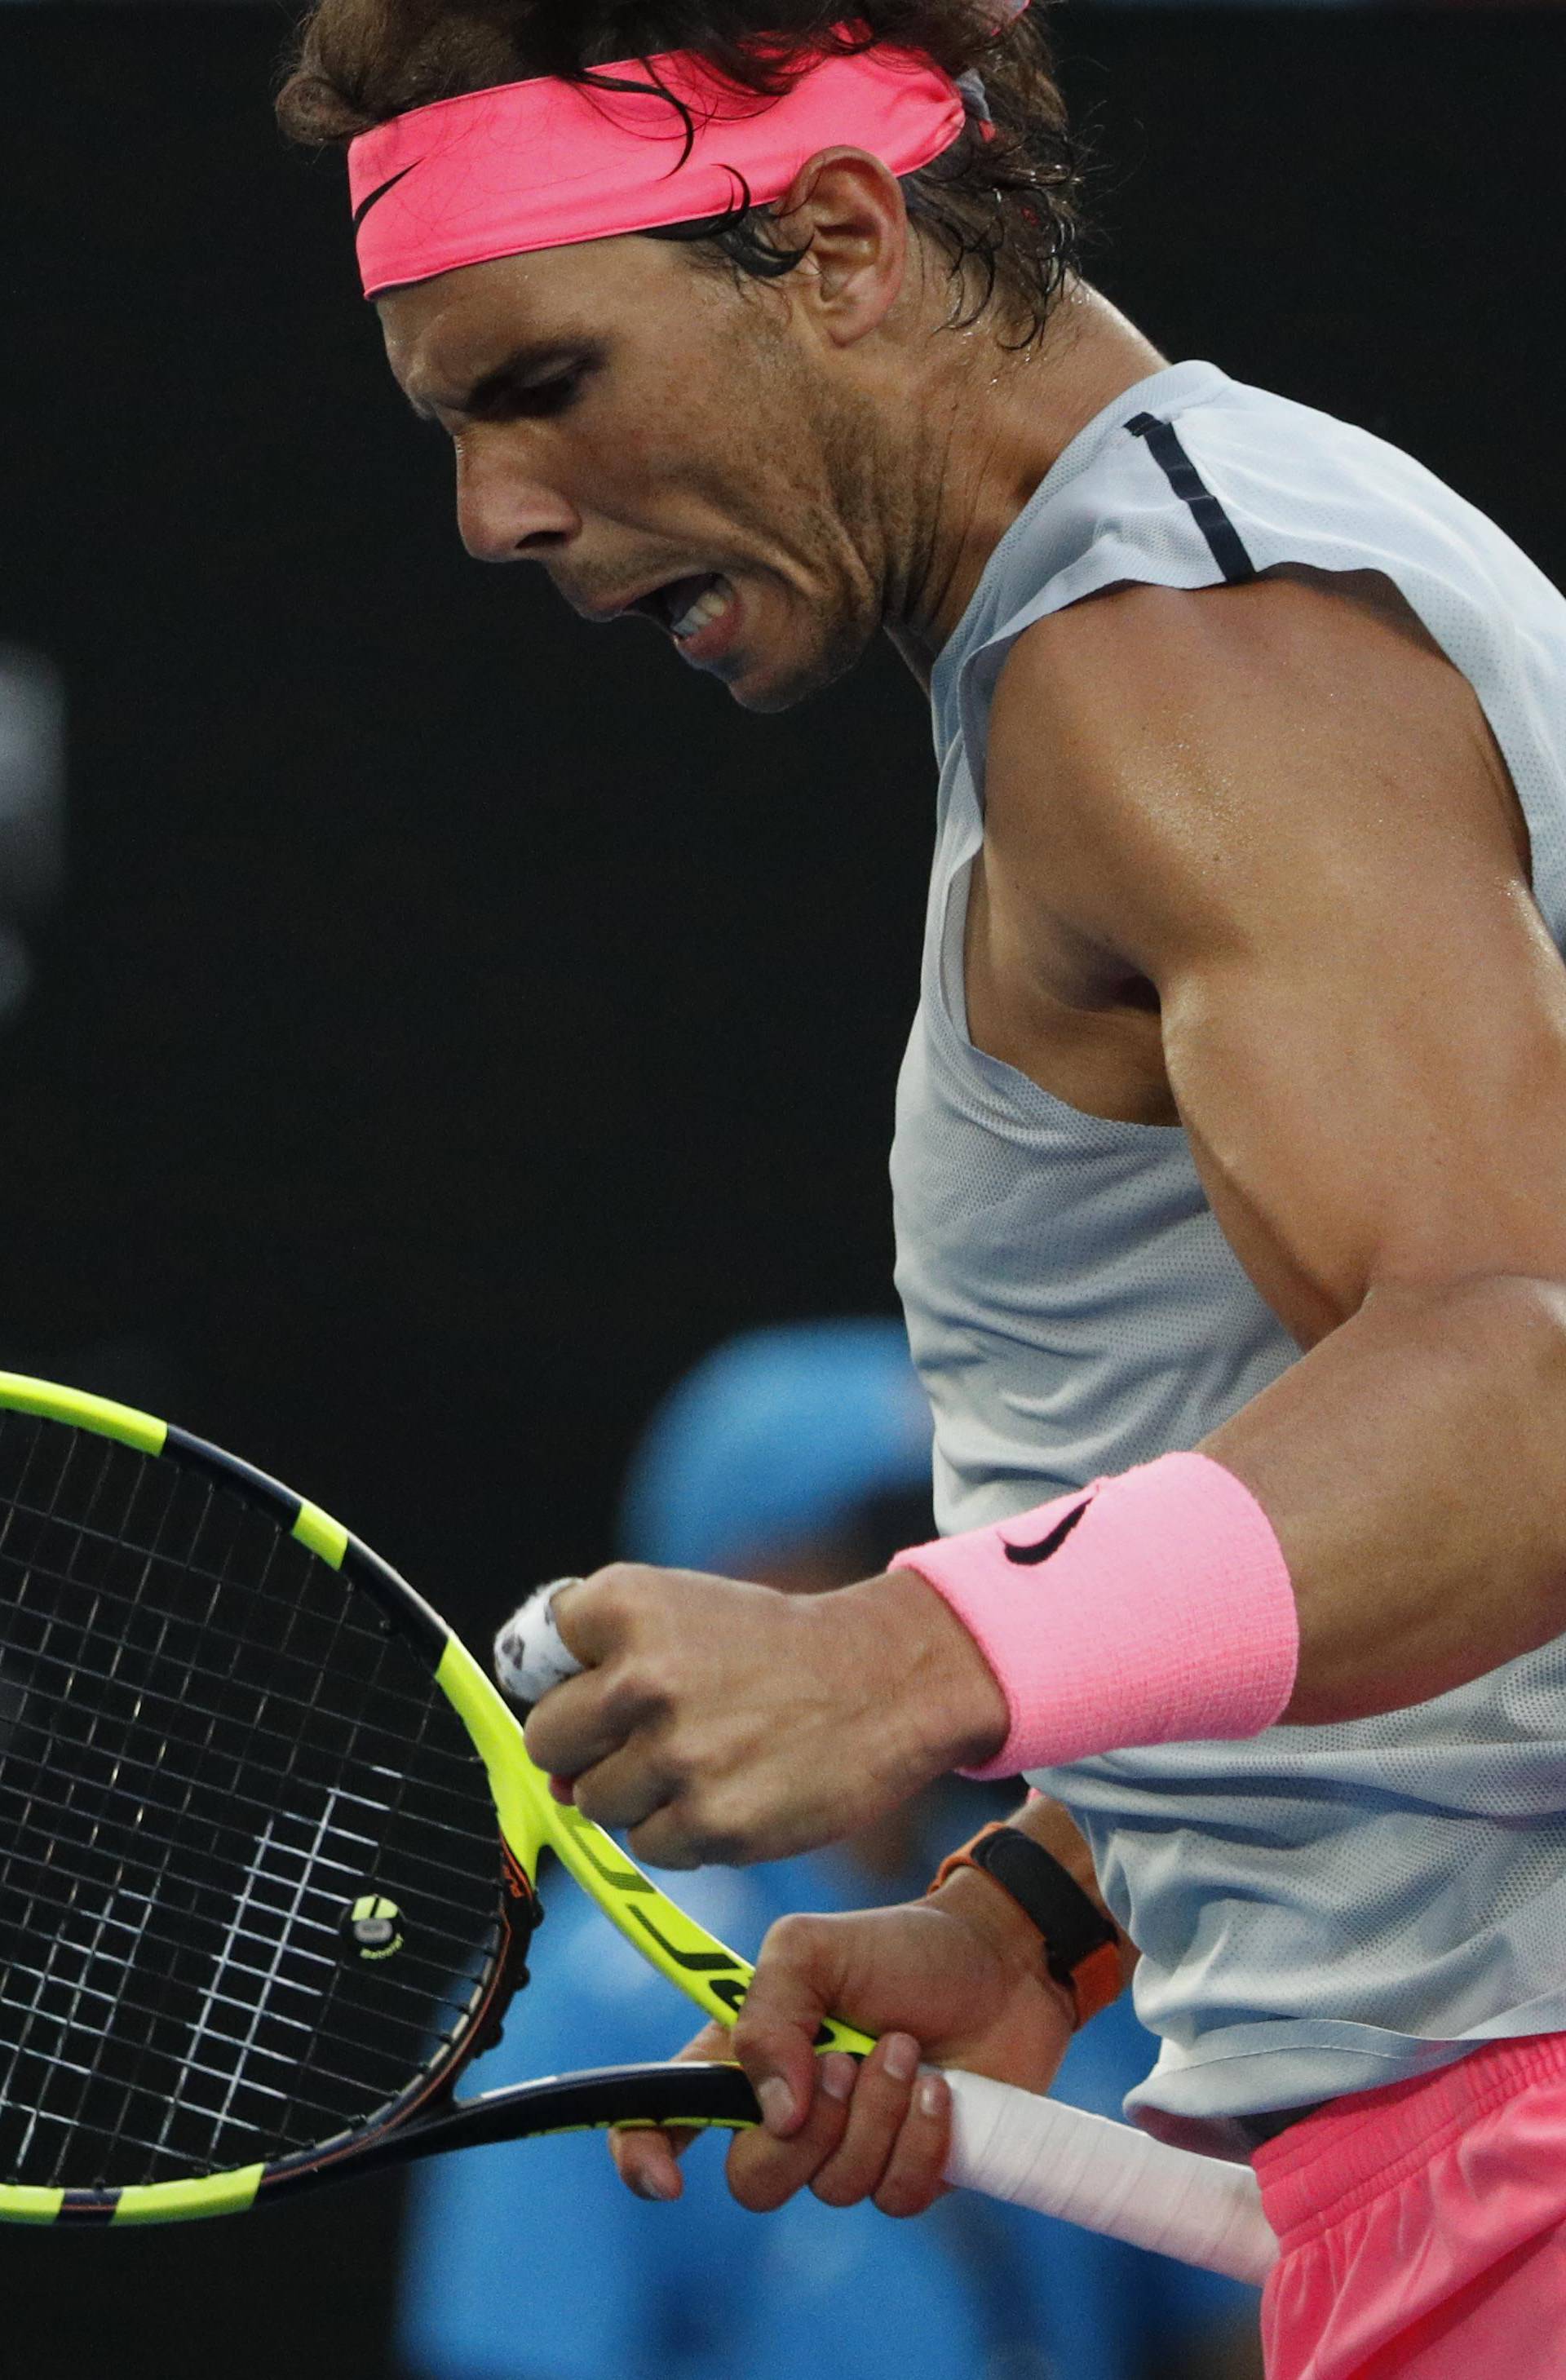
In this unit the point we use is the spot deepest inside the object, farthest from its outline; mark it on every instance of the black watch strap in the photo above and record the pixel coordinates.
(1072, 1928)
(1081, 1946)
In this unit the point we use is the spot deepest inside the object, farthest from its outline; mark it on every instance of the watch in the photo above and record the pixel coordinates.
(1081, 1946)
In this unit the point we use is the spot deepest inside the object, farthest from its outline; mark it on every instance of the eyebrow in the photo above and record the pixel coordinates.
(530, 357)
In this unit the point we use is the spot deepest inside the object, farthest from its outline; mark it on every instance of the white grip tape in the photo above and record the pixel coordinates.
(1060, 2160)
(530, 1654)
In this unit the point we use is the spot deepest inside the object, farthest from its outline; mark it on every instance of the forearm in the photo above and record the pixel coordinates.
(1384, 1524)
(1414, 1467)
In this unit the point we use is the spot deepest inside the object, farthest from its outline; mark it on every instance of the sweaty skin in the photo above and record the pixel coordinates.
(622, 416)
(1252, 862)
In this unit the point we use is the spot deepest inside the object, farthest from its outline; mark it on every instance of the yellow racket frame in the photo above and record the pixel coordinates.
(531, 1820)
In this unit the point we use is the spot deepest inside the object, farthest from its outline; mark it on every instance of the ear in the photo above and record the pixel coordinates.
(846, 209)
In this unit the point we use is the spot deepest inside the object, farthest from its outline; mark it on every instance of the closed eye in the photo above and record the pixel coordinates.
(537, 400)
(532, 384)
(554, 395)
(532, 401)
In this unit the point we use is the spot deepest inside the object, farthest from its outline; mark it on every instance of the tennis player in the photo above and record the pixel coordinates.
(1230, 1167)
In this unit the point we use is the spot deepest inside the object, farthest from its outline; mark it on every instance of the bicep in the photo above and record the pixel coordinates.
(1379, 1096)
(1294, 824)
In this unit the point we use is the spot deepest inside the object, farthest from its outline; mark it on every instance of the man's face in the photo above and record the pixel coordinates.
(657, 437)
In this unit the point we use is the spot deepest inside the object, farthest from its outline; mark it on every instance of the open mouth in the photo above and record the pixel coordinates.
(685, 606)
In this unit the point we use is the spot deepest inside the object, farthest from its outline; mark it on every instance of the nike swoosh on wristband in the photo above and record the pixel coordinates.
(1052, 1543)
(365, 204)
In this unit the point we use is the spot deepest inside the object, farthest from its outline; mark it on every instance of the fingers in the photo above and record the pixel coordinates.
(914, 2177)
(879, 2129)
(686, 1718)
(631, 1792)
(578, 1724)
(899, 2129)
(797, 1982)
(849, 2130)
(586, 1612)
(597, 1616)
(622, 1791)
(581, 1721)
(646, 2160)
(764, 2170)
(531, 1656)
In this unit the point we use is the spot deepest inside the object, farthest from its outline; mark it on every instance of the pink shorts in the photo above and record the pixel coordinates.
(1424, 2226)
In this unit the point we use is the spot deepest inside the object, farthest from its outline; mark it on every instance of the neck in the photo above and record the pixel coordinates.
(999, 422)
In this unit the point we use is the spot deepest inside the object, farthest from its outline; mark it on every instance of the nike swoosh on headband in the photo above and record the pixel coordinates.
(390, 184)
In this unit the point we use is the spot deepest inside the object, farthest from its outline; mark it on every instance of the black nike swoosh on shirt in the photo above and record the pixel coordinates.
(1053, 1542)
(365, 204)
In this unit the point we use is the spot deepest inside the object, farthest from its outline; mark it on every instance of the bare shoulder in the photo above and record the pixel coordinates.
(1164, 761)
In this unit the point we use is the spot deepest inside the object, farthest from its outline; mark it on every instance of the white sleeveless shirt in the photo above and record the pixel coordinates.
(1321, 1909)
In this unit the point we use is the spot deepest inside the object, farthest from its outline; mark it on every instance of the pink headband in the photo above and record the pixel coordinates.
(547, 163)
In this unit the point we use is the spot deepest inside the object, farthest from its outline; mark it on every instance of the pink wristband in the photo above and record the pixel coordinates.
(1152, 1608)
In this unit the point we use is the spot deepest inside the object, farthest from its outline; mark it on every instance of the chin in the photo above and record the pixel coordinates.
(765, 689)
(764, 700)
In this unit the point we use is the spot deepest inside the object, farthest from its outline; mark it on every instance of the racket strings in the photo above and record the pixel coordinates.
(209, 1748)
(213, 1636)
(273, 1972)
(252, 1767)
(285, 2092)
(438, 1972)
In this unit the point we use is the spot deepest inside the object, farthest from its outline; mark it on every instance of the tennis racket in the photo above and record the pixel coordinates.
(269, 1848)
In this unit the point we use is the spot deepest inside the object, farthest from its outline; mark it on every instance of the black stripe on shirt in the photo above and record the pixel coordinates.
(1223, 539)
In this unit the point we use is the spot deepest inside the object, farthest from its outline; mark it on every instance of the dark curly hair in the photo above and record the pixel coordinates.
(1002, 209)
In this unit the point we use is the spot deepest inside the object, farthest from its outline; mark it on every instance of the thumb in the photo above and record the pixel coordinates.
(795, 1985)
(563, 1594)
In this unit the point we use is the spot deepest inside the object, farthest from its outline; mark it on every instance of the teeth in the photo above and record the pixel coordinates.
(710, 606)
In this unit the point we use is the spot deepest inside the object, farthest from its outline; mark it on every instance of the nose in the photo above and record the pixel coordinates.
(506, 510)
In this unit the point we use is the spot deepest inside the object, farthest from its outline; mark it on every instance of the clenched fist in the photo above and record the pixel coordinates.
(723, 1722)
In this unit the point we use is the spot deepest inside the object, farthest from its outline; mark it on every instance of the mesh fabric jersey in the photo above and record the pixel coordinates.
(1321, 1909)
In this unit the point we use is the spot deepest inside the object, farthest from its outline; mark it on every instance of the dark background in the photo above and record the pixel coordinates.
(456, 1018)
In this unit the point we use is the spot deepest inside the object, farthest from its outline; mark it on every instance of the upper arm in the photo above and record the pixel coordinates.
(1282, 806)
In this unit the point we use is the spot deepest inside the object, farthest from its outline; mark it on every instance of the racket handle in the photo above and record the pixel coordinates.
(1060, 2160)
